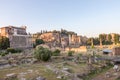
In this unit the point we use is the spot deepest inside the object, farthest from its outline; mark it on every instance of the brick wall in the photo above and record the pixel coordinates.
(116, 51)
(20, 42)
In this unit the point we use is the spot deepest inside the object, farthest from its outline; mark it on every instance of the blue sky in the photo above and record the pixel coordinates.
(85, 17)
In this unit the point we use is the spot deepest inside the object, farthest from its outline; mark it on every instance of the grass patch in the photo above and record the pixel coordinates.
(96, 72)
(118, 78)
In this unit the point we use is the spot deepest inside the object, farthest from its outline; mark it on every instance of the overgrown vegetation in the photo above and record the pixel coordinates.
(118, 78)
(56, 52)
(105, 39)
(3, 53)
(70, 53)
(38, 42)
(42, 53)
(11, 50)
(4, 43)
(97, 71)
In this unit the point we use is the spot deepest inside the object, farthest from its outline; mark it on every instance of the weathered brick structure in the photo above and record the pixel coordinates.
(59, 39)
(17, 36)
(116, 51)
(50, 37)
(74, 39)
(79, 49)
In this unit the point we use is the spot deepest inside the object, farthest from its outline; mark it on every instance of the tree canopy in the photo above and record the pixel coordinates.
(4, 42)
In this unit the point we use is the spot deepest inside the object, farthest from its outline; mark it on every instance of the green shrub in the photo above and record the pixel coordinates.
(11, 50)
(92, 47)
(56, 52)
(43, 54)
(3, 53)
(118, 78)
(18, 50)
(80, 54)
(4, 43)
(38, 42)
(70, 53)
(34, 45)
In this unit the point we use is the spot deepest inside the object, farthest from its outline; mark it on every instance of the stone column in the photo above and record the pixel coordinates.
(69, 39)
(101, 43)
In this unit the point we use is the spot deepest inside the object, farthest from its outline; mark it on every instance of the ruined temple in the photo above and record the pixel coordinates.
(18, 36)
(61, 38)
(51, 38)
(74, 40)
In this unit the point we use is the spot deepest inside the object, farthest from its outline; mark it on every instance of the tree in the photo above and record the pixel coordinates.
(109, 40)
(116, 38)
(43, 54)
(89, 41)
(109, 37)
(92, 41)
(104, 39)
(96, 41)
(4, 42)
(39, 41)
(101, 36)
